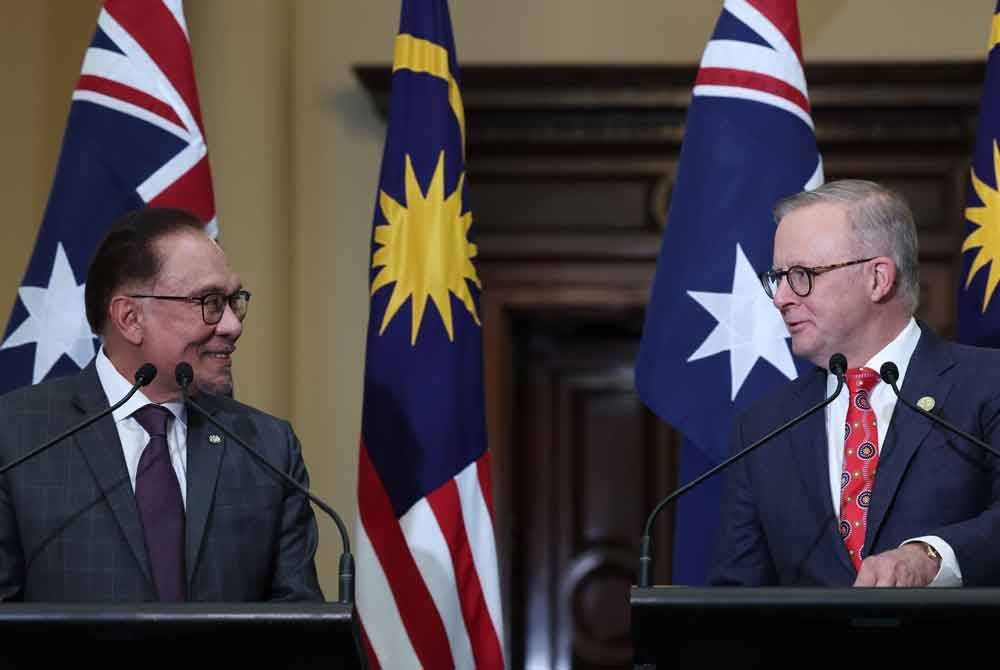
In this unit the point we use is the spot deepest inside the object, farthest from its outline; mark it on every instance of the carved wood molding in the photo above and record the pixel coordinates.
(594, 149)
(616, 107)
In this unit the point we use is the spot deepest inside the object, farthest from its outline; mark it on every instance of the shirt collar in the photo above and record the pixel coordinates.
(899, 351)
(115, 387)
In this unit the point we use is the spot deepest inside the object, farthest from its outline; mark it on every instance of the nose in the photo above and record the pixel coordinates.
(229, 325)
(783, 294)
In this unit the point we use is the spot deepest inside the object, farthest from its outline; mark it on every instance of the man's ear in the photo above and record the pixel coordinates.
(883, 280)
(126, 317)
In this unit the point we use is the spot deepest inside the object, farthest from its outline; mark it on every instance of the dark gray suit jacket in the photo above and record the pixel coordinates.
(69, 526)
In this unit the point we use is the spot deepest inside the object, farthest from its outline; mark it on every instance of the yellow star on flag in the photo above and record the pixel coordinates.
(425, 251)
(986, 237)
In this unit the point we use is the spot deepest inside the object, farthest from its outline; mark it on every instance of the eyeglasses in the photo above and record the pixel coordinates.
(800, 279)
(213, 305)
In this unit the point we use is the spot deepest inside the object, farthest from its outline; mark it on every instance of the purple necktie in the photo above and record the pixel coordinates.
(161, 508)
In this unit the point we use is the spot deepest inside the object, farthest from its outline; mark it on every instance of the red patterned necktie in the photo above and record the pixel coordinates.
(860, 461)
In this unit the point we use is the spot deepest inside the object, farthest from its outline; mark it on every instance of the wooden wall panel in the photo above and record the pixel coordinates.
(586, 447)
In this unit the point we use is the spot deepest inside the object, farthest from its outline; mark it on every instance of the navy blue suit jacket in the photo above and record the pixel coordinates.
(69, 525)
(778, 524)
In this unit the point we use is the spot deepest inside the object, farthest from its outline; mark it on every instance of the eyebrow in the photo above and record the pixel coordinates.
(800, 263)
(212, 288)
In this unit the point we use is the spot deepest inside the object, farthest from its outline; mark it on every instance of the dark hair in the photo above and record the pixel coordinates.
(128, 254)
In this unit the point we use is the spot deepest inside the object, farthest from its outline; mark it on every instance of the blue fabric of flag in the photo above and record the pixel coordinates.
(423, 413)
(96, 177)
(978, 304)
(121, 131)
(739, 157)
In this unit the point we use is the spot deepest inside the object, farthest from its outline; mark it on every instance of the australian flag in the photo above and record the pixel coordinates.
(712, 340)
(978, 304)
(428, 592)
(134, 138)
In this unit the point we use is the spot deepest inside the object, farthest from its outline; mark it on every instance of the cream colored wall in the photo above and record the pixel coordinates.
(242, 60)
(295, 151)
(41, 47)
(24, 165)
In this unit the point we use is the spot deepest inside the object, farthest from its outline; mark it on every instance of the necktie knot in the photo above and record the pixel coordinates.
(154, 419)
(861, 379)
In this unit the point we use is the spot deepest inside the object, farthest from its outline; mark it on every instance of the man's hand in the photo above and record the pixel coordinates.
(908, 565)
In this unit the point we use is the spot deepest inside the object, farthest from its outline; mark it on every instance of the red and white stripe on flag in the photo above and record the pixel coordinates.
(429, 596)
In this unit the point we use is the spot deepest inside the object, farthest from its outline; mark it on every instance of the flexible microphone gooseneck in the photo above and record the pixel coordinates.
(185, 375)
(890, 375)
(838, 367)
(143, 376)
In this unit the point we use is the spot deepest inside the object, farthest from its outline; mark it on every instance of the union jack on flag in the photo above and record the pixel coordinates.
(428, 592)
(712, 340)
(134, 138)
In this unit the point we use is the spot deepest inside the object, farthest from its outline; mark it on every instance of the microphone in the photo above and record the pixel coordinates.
(838, 367)
(143, 376)
(184, 375)
(890, 375)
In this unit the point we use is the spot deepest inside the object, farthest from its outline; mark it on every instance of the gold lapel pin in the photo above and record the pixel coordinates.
(216, 439)
(926, 403)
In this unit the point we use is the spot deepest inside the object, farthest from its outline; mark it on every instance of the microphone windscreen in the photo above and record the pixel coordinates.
(183, 374)
(889, 372)
(838, 364)
(145, 374)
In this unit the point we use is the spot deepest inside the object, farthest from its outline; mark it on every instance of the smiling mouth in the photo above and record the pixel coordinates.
(224, 355)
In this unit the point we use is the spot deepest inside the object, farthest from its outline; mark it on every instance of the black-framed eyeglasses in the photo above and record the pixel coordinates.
(213, 305)
(800, 278)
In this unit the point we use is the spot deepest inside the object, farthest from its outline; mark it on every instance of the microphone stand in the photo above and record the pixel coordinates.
(838, 365)
(346, 576)
(890, 375)
(143, 377)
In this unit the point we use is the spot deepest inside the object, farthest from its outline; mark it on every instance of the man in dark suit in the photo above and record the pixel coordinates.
(866, 492)
(152, 502)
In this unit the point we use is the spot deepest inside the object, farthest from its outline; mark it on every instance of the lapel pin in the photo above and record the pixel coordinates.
(926, 403)
(215, 439)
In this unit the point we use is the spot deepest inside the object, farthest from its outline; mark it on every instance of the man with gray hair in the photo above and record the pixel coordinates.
(863, 493)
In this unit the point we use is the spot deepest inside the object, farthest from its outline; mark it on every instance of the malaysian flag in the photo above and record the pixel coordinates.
(428, 592)
(134, 138)
(978, 304)
(712, 341)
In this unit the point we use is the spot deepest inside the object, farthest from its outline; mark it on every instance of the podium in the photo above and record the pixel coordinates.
(686, 627)
(267, 636)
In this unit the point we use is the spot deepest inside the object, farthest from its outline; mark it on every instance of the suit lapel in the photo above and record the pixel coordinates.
(205, 449)
(810, 451)
(102, 449)
(924, 377)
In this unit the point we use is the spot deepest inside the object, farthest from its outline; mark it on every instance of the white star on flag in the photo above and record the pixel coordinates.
(749, 326)
(57, 320)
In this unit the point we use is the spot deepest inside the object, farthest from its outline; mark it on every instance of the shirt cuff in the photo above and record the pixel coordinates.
(949, 574)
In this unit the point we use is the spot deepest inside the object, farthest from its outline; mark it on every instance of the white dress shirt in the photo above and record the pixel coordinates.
(883, 401)
(134, 437)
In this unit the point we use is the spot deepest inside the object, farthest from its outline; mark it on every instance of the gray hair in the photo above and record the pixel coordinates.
(881, 221)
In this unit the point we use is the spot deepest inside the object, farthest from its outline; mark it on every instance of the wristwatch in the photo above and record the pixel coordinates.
(932, 553)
